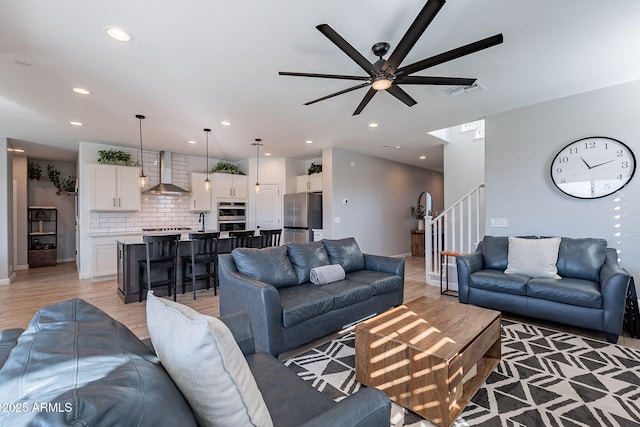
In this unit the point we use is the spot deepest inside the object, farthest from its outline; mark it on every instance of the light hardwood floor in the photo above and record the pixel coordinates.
(38, 287)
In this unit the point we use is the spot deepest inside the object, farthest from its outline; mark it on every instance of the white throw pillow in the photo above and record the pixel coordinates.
(533, 257)
(203, 359)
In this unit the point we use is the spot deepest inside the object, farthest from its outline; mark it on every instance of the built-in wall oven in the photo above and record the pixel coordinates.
(232, 216)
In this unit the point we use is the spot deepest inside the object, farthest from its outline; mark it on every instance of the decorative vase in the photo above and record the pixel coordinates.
(421, 224)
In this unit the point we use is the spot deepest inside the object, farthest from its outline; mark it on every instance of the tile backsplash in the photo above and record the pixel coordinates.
(156, 211)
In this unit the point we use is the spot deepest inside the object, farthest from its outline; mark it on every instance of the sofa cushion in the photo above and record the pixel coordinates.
(202, 357)
(533, 257)
(581, 258)
(498, 281)
(269, 265)
(566, 290)
(75, 357)
(291, 402)
(345, 252)
(495, 252)
(347, 292)
(8, 340)
(304, 302)
(382, 283)
(305, 256)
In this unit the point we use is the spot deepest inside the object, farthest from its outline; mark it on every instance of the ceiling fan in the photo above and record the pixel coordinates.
(388, 74)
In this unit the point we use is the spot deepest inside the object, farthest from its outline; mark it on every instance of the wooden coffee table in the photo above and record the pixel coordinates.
(429, 355)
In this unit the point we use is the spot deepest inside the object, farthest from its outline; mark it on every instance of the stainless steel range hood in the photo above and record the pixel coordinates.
(166, 187)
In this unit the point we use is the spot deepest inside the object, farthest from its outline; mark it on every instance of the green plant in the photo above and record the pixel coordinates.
(314, 168)
(54, 176)
(115, 157)
(62, 184)
(418, 212)
(34, 170)
(227, 167)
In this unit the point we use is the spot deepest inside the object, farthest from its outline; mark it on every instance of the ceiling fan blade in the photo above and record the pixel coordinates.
(337, 93)
(324, 76)
(402, 95)
(419, 25)
(367, 97)
(426, 80)
(344, 46)
(452, 54)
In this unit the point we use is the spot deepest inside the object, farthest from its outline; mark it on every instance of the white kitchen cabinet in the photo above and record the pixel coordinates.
(309, 183)
(230, 186)
(114, 188)
(200, 198)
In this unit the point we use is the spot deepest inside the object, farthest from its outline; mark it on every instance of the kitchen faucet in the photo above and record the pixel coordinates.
(201, 219)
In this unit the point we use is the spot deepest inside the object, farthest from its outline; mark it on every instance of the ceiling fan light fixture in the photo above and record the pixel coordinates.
(381, 83)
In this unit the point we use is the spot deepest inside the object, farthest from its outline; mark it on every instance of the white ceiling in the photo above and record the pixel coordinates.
(194, 63)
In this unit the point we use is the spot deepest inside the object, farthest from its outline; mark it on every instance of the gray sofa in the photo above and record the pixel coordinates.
(273, 286)
(590, 292)
(75, 365)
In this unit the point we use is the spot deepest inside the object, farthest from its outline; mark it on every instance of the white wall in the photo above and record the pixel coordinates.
(6, 213)
(463, 164)
(379, 196)
(520, 146)
(21, 252)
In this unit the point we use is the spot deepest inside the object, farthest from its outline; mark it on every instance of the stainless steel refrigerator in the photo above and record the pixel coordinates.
(302, 214)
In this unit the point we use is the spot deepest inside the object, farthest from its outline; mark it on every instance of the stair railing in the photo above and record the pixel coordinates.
(459, 229)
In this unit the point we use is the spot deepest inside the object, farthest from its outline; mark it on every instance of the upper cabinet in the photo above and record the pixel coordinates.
(200, 198)
(230, 186)
(309, 183)
(114, 188)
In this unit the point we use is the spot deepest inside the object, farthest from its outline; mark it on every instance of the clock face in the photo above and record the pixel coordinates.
(593, 167)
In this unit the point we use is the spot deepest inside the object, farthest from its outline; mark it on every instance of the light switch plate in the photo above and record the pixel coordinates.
(499, 222)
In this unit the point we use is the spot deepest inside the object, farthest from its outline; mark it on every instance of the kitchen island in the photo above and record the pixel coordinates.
(130, 251)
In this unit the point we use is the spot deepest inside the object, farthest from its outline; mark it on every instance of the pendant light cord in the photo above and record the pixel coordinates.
(140, 117)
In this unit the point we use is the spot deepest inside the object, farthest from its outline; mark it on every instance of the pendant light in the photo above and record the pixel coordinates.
(207, 183)
(142, 179)
(258, 143)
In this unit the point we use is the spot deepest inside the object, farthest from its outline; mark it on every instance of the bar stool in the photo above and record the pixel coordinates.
(204, 251)
(241, 239)
(270, 237)
(162, 255)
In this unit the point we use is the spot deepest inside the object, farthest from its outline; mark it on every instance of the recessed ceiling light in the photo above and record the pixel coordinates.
(373, 125)
(225, 123)
(74, 123)
(267, 154)
(192, 141)
(80, 90)
(422, 157)
(308, 141)
(119, 34)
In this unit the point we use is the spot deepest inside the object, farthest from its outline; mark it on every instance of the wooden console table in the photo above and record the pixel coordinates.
(417, 242)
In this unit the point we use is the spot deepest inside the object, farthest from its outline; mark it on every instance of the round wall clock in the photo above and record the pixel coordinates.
(593, 167)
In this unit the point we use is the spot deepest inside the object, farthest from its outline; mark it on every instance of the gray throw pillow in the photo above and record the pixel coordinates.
(269, 265)
(305, 256)
(345, 252)
(534, 257)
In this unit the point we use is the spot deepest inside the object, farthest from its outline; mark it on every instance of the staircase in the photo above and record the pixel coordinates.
(457, 229)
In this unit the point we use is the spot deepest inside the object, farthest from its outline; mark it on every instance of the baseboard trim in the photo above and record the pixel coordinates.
(8, 280)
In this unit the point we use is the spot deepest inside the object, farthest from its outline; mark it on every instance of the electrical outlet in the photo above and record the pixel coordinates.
(337, 220)
(499, 222)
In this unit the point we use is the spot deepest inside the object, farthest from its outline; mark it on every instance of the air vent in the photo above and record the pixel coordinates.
(457, 91)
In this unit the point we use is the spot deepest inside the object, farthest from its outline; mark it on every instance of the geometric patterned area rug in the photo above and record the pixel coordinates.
(545, 378)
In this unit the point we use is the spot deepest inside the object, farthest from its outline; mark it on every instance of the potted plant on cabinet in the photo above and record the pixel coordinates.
(418, 212)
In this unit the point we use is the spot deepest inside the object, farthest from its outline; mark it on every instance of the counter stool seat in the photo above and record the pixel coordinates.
(161, 259)
(204, 252)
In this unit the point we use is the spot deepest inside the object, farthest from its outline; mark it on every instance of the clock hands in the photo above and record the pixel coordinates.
(596, 165)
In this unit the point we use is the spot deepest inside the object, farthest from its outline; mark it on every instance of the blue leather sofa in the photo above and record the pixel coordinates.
(272, 286)
(590, 293)
(75, 365)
